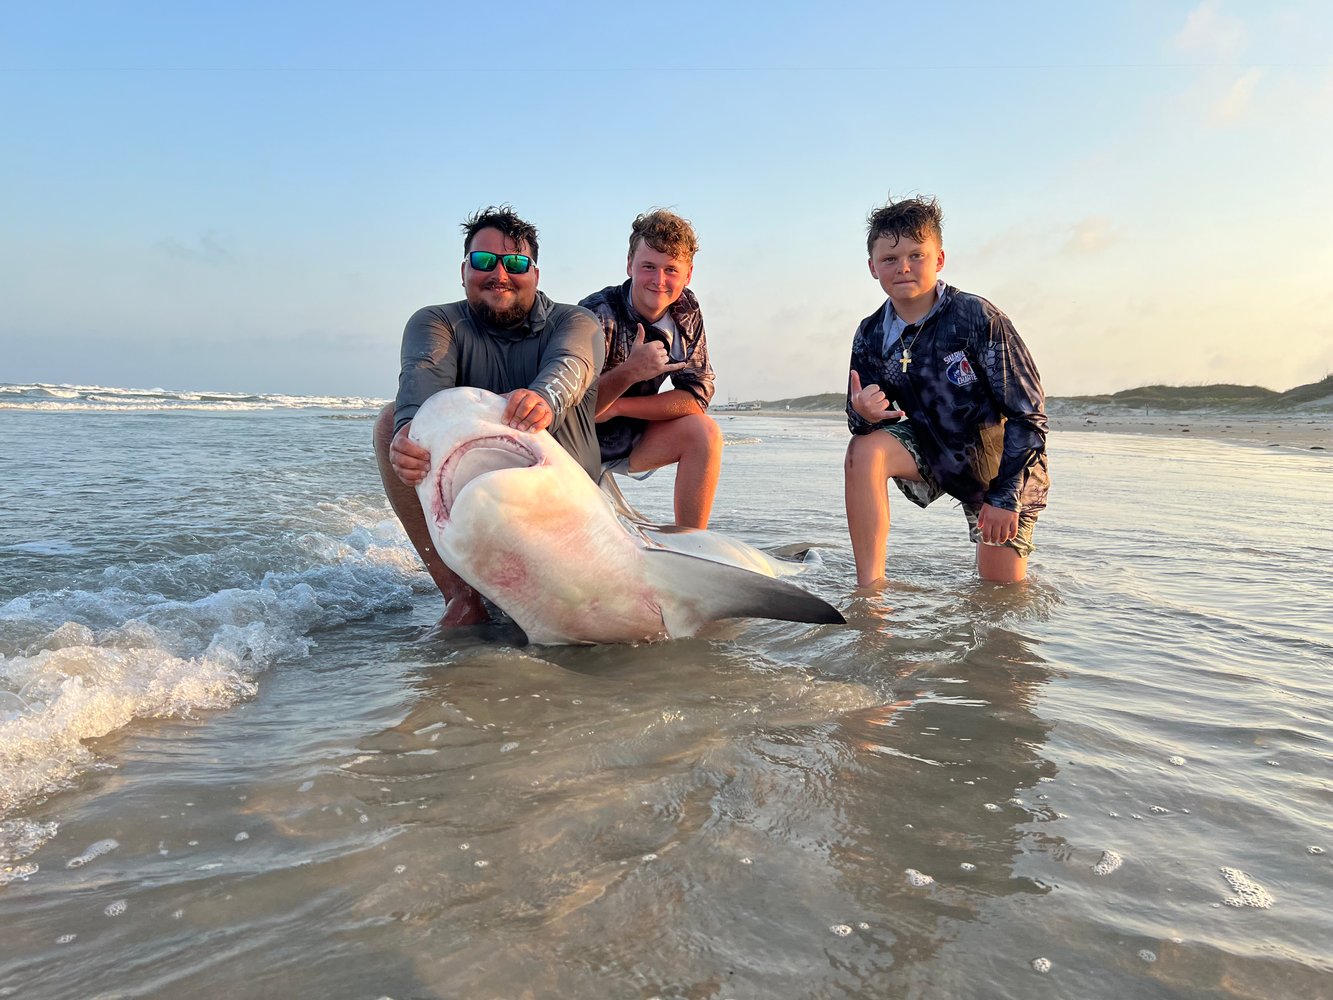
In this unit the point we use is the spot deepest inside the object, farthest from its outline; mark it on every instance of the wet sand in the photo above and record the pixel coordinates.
(1310, 431)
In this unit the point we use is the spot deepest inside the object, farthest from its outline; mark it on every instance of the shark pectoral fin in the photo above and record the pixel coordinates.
(692, 591)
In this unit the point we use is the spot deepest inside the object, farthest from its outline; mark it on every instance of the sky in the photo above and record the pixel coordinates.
(255, 196)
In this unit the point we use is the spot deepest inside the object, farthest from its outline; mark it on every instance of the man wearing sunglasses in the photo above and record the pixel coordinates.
(654, 330)
(509, 338)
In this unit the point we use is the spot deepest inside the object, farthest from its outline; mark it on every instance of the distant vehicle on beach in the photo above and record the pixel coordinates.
(731, 404)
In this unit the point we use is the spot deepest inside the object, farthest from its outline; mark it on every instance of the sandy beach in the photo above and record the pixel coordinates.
(1308, 431)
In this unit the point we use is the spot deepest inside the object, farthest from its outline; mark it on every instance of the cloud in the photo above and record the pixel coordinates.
(208, 248)
(1236, 103)
(1085, 237)
(1302, 101)
(1090, 235)
(1211, 33)
(1001, 246)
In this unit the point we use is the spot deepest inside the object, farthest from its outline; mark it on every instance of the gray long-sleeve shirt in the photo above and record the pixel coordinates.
(557, 352)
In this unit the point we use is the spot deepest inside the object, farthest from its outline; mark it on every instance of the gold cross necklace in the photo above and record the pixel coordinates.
(907, 349)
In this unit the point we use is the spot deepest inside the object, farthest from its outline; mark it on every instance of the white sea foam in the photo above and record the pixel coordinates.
(90, 691)
(11, 705)
(92, 852)
(16, 873)
(78, 664)
(21, 837)
(1248, 891)
(1110, 861)
(97, 398)
(918, 879)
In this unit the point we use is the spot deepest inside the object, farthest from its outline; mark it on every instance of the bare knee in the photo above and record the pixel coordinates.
(694, 434)
(704, 433)
(862, 457)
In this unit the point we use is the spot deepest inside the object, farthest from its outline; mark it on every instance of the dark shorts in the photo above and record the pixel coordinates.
(928, 491)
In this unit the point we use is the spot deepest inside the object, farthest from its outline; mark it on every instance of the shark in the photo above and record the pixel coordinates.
(514, 515)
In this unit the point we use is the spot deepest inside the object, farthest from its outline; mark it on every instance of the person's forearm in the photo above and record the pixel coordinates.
(611, 386)
(661, 406)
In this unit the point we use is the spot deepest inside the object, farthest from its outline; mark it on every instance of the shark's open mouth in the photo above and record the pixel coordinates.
(475, 458)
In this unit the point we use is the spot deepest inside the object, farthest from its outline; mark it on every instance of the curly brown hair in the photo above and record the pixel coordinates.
(505, 219)
(666, 232)
(916, 218)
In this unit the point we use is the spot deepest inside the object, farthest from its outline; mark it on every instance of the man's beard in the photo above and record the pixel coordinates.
(502, 319)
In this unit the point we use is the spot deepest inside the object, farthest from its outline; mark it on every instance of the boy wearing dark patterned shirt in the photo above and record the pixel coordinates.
(943, 397)
(654, 329)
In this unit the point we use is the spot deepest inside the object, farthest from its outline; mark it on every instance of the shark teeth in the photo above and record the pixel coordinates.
(475, 458)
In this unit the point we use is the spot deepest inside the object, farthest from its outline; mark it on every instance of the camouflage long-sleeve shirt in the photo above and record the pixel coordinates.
(614, 311)
(973, 395)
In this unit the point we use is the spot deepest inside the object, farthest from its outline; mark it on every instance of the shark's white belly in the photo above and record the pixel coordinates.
(564, 571)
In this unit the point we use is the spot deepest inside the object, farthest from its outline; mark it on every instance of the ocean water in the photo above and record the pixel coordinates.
(237, 761)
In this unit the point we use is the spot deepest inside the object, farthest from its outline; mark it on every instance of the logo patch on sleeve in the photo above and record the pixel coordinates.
(959, 370)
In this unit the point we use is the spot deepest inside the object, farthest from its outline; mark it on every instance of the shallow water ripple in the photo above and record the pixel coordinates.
(1111, 782)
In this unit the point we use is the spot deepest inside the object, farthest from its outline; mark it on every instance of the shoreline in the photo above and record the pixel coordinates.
(1308, 431)
(1302, 431)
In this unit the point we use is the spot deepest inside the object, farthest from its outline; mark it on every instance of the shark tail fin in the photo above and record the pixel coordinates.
(694, 591)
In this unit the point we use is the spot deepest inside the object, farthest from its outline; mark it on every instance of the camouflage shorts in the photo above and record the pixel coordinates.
(620, 466)
(928, 491)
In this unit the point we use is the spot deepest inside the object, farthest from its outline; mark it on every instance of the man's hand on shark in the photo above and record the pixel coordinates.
(410, 461)
(525, 410)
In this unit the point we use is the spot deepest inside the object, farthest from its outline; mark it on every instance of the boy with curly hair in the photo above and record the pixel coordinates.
(655, 330)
